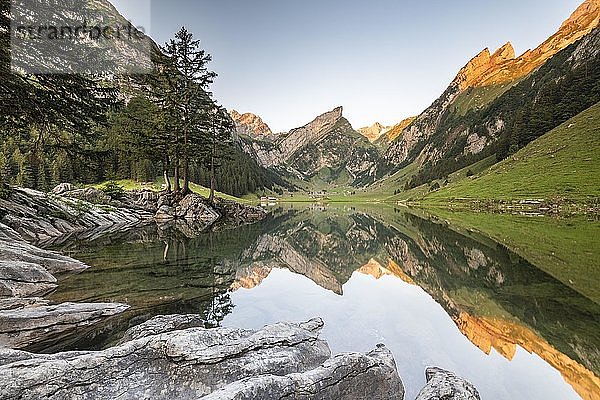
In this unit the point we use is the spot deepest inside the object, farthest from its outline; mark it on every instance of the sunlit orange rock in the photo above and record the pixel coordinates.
(504, 336)
(250, 124)
(373, 132)
(502, 67)
(398, 272)
(393, 133)
(251, 280)
(375, 269)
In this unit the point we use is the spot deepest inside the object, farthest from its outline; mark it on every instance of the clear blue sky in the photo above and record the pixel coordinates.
(383, 60)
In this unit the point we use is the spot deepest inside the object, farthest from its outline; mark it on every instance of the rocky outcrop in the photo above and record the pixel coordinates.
(26, 270)
(239, 214)
(190, 207)
(163, 324)
(22, 279)
(503, 67)
(374, 132)
(281, 360)
(40, 217)
(250, 125)
(484, 65)
(446, 385)
(35, 320)
(344, 377)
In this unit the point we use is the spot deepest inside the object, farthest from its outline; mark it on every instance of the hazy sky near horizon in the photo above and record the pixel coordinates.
(383, 60)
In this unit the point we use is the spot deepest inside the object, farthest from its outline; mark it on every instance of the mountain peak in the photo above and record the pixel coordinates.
(250, 124)
(584, 15)
(373, 132)
(504, 53)
(502, 67)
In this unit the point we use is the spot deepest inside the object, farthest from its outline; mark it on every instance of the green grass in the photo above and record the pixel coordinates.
(479, 97)
(561, 165)
(129, 184)
(567, 249)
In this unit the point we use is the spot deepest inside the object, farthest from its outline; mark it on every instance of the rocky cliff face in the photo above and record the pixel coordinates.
(250, 124)
(440, 130)
(327, 147)
(503, 67)
(374, 132)
(126, 50)
(397, 129)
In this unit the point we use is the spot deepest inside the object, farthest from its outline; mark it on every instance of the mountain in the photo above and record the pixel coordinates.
(498, 104)
(373, 132)
(250, 124)
(395, 131)
(503, 67)
(562, 164)
(121, 49)
(328, 150)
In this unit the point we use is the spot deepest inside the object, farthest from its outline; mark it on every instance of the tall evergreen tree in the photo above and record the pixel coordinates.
(187, 98)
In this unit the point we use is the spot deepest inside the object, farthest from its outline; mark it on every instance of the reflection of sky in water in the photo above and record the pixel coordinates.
(408, 321)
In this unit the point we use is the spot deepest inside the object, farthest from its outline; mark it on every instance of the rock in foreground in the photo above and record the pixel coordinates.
(279, 361)
(346, 376)
(445, 385)
(24, 322)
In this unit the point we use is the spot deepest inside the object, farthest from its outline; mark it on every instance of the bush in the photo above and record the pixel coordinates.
(4, 191)
(114, 190)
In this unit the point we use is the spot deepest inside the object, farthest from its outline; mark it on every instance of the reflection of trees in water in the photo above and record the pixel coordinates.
(464, 272)
(220, 306)
(165, 271)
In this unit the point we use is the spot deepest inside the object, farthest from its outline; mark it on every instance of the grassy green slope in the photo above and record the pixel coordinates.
(128, 184)
(567, 248)
(563, 164)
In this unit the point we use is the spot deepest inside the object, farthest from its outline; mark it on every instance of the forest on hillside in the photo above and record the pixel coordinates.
(88, 129)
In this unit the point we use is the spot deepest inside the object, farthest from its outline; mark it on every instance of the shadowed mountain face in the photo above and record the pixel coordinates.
(498, 100)
(328, 148)
(497, 299)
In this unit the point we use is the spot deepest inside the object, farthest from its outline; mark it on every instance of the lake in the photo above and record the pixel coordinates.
(508, 302)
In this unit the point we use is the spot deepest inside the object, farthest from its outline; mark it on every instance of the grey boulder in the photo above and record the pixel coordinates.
(446, 385)
(280, 360)
(27, 321)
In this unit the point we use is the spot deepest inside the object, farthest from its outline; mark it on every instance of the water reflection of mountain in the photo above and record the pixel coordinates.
(496, 298)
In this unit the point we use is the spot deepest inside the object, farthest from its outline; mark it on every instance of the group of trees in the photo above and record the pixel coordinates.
(87, 129)
(174, 123)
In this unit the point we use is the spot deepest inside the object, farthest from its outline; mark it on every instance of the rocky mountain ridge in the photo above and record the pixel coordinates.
(327, 147)
(502, 66)
(374, 132)
(250, 124)
(442, 134)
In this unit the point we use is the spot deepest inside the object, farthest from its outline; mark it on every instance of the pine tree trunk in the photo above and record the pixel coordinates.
(186, 165)
(211, 199)
(176, 185)
(186, 176)
(167, 180)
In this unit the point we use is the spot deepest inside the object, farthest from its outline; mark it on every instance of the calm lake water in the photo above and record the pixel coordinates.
(434, 293)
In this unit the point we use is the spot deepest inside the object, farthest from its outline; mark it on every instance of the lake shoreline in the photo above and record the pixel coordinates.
(28, 318)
